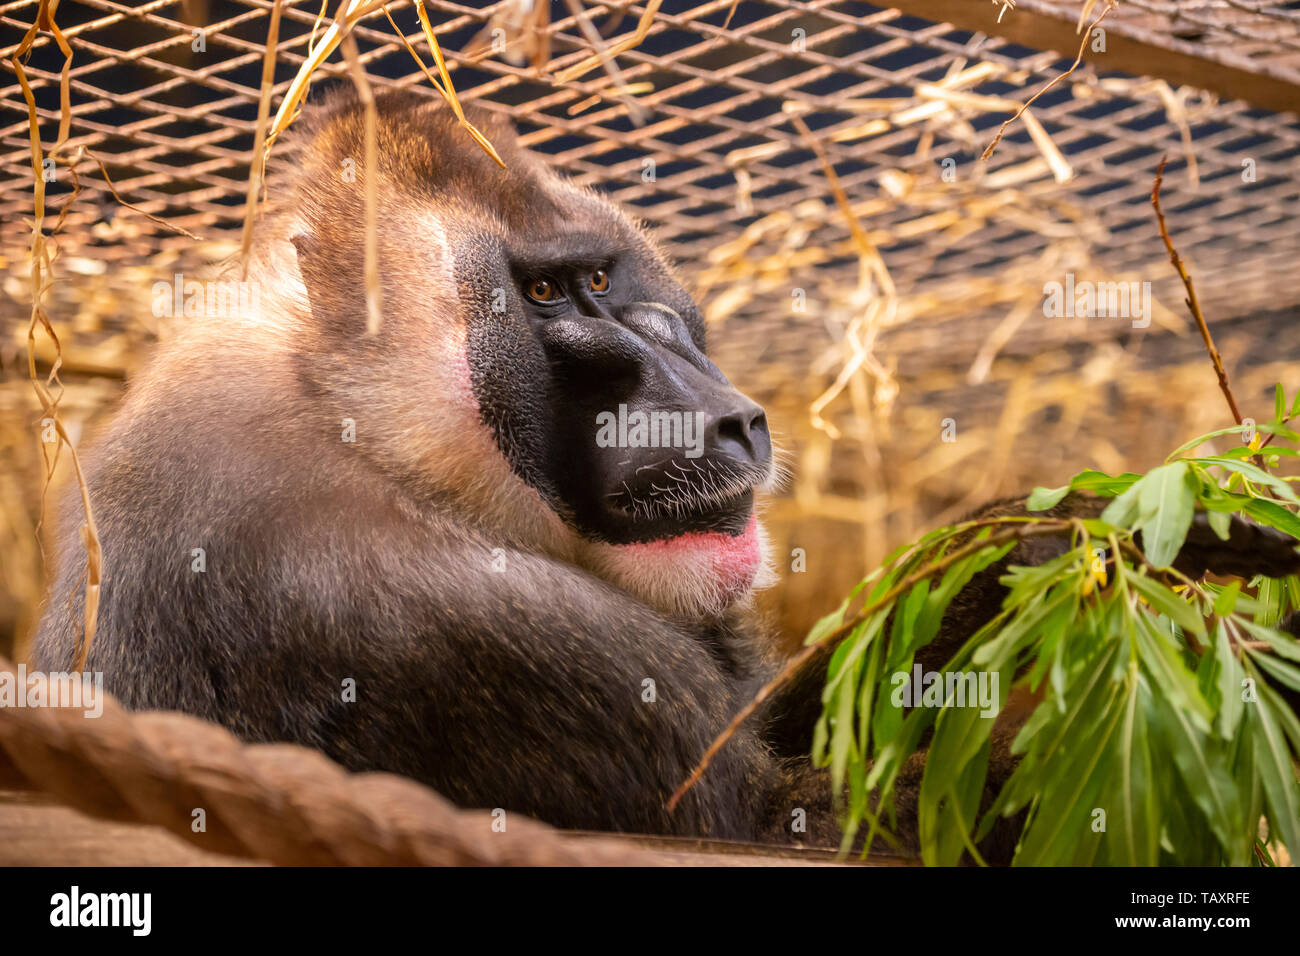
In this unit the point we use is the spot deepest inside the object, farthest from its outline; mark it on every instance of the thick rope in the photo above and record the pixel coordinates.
(276, 802)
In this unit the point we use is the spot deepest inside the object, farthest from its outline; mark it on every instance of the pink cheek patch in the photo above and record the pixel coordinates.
(459, 375)
(729, 562)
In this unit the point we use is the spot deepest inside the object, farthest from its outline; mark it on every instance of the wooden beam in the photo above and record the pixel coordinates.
(36, 832)
(1042, 26)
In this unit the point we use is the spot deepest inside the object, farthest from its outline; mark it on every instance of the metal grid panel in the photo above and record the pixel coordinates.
(969, 257)
(176, 125)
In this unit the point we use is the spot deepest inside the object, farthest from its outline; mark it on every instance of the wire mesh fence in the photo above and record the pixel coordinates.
(717, 129)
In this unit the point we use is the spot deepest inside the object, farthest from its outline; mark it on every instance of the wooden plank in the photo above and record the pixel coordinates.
(1040, 26)
(36, 832)
(688, 851)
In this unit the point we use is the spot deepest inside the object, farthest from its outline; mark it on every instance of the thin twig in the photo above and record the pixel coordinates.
(1110, 5)
(634, 110)
(257, 168)
(448, 89)
(414, 55)
(630, 90)
(619, 46)
(1193, 304)
(49, 392)
(350, 11)
(181, 230)
(374, 291)
(870, 264)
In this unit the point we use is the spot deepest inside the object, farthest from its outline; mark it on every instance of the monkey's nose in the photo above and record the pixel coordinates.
(740, 433)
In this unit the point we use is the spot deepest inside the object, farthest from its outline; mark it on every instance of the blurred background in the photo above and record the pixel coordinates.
(815, 169)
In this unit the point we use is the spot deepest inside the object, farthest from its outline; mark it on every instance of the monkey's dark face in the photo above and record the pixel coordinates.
(588, 363)
(648, 440)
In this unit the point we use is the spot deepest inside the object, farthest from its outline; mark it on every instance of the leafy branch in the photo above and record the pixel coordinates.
(1133, 662)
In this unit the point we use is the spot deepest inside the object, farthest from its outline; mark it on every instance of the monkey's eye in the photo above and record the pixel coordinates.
(600, 281)
(542, 290)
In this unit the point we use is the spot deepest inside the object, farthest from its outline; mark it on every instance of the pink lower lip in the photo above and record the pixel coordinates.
(733, 560)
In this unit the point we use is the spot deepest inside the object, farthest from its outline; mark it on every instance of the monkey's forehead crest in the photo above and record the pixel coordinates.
(426, 155)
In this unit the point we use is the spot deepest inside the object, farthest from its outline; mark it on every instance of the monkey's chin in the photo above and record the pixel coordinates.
(692, 574)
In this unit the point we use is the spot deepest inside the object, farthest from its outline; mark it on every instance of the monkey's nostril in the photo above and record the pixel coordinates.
(743, 435)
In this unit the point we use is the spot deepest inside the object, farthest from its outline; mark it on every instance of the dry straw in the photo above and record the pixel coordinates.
(49, 391)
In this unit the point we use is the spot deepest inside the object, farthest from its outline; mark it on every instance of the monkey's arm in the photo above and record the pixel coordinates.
(585, 713)
(470, 675)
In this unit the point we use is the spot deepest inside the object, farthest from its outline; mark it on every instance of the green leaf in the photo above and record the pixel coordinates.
(1022, 629)
(956, 578)
(1166, 503)
(1231, 430)
(957, 823)
(1272, 453)
(1163, 663)
(888, 717)
(1134, 827)
(1286, 718)
(1274, 515)
(835, 667)
(842, 743)
(903, 642)
(1252, 795)
(1276, 770)
(1098, 482)
(870, 680)
(1168, 603)
(1204, 769)
(961, 735)
(1282, 643)
(884, 771)
(1054, 628)
(1279, 404)
(1287, 674)
(821, 735)
(1043, 738)
(1229, 681)
(1227, 599)
(1025, 584)
(1070, 790)
(1257, 475)
(1044, 499)
(1107, 486)
(1123, 510)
